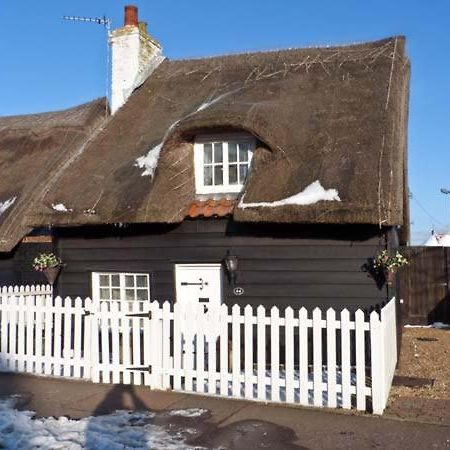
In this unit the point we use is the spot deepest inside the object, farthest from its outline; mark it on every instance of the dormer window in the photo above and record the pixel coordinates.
(222, 162)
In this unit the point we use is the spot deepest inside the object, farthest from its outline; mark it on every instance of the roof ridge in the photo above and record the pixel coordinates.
(288, 49)
(80, 106)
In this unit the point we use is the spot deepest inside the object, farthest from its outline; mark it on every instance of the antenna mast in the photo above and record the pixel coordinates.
(106, 22)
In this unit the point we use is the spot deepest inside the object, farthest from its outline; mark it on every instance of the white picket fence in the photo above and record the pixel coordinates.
(324, 360)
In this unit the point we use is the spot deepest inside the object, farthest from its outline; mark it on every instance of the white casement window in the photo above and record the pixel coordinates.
(222, 162)
(120, 286)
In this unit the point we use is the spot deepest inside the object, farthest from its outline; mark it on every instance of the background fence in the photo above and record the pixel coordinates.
(325, 359)
(425, 285)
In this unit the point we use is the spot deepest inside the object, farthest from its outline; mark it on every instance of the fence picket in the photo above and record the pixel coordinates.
(303, 355)
(21, 333)
(188, 360)
(87, 339)
(4, 330)
(177, 345)
(162, 330)
(223, 349)
(67, 349)
(317, 357)
(13, 334)
(345, 356)
(202, 322)
(115, 345)
(377, 363)
(248, 348)
(57, 332)
(236, 350)
(331, 358)
(152, 346)
(95, 341)
(104, 343)
(360, 361)
(78, 313)
(289, 354)
(30, 352)
(275, 353)
(136, 337)
(126, 343)
(261, 352)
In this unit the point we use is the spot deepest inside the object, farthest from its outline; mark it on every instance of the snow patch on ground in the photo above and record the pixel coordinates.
(120, 430)
(6, 204)
(60, 207)
(192, 412)
(433, 325)
(311, 194)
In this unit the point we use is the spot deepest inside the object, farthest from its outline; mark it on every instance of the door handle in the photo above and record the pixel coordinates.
(201, 283)
(205, 308)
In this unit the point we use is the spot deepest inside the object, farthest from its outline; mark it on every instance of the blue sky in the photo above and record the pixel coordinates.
(47, 63)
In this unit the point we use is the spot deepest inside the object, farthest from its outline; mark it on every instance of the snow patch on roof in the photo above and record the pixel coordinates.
(149, 161)
(311, 194)
(60, 207)
(438, 240)
(6, 204)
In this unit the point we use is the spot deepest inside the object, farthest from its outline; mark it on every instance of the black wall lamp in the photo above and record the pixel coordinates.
(231, 264)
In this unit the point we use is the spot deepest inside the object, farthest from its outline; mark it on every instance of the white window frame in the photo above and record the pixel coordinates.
(224, 139)
(122, 275)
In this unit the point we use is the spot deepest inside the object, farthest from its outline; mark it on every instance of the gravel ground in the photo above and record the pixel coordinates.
(426, 354)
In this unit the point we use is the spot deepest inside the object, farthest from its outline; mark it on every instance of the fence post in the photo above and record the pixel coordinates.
(377, 363)
(155, 326)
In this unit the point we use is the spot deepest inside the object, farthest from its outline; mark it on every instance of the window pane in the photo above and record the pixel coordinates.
(232, 173)
(218, 153)
(243, 152)
(129, 280)
(115, 280)
(104, 280)
(142, 294)
(207, 153)
(129, 294)
(104, 294)
(232, 151)
(207, 176)
(115, 294)
(218, 175)
(243, 169)
(141, 281)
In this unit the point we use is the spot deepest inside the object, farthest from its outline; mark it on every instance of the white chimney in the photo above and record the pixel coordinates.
(134, 54)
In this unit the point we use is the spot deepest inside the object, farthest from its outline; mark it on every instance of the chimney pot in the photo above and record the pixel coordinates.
(131, 15)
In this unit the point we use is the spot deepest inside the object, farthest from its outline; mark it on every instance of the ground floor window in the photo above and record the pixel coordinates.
(120, 286)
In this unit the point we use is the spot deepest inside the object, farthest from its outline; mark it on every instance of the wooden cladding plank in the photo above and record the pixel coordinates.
(200, 252)
(210, 240)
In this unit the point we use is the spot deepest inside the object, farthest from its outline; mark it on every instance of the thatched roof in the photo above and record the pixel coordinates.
(335, 114)
(33, 150)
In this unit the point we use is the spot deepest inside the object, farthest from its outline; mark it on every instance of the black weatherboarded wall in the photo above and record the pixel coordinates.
(278, 264)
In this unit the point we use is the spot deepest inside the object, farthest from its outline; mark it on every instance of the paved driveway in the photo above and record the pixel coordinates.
(229, 423)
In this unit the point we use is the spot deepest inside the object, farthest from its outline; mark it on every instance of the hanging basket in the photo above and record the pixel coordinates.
(51, 273)
(389, 276)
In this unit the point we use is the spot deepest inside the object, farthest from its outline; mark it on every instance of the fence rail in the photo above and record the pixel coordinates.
(330, 359)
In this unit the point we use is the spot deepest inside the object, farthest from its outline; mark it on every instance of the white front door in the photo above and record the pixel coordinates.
(199, 284)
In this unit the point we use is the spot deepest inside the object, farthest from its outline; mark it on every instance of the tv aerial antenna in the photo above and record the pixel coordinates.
(106, 22)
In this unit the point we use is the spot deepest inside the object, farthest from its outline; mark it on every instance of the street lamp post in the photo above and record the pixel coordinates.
(445, 191)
